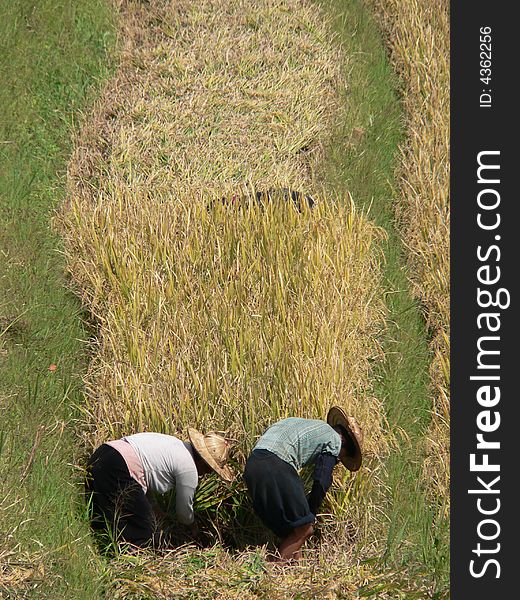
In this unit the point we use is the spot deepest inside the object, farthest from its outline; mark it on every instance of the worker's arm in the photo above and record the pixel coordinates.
(322, 480)
(185, 486)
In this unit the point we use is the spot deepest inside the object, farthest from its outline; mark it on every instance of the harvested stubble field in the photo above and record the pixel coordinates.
(221, 317)
(418, 35)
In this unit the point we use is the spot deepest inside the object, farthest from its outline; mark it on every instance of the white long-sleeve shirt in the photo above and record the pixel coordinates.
(168, 462)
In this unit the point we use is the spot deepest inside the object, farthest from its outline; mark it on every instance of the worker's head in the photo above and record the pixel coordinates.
(211, 453)
(348, 448)
(202, 466)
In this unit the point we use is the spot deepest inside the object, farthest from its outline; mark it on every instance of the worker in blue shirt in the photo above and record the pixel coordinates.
(271, 472)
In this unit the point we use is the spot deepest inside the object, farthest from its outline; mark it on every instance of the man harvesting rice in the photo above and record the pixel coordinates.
(121, 474)
(271, 472)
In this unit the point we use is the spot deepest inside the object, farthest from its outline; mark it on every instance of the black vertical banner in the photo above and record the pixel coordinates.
(485, 261)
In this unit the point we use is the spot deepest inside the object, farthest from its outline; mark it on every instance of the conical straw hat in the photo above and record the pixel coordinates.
(337, 416)
(214, 449)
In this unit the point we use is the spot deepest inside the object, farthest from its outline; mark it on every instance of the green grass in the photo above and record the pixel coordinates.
(362, 159)
(51, 57)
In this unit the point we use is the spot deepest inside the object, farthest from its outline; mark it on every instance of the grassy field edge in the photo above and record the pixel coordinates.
(53, 56)
(363, 157)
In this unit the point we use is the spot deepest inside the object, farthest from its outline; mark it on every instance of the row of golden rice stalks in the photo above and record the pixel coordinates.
(228, 317)
(418, 36)
(223, 315)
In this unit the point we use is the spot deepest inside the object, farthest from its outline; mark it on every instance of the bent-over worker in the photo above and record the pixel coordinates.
(271, 472)
(123, 475)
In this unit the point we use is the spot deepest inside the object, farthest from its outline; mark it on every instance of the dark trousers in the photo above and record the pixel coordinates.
(277, 492)
(118, 503)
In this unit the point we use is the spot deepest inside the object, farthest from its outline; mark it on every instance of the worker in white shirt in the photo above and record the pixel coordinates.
(123, 475)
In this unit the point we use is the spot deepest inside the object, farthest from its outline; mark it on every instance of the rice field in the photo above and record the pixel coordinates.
(220, 316)
(208, 310)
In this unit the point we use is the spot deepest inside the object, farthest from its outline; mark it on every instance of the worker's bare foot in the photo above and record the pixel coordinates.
(281, 561)
(276, 559)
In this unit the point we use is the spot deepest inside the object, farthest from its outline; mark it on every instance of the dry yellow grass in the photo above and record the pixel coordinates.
(418, 36)
(211, 95)
(19, 572)
(214, 573)
(222, 318)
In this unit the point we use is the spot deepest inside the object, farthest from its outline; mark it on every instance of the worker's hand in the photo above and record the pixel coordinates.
(194, 531)
(159, 514)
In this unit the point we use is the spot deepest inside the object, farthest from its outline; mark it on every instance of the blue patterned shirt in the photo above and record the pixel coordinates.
(300, 441)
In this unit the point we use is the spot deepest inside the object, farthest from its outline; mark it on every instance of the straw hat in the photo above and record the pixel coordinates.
(214, 449)
(337, 416)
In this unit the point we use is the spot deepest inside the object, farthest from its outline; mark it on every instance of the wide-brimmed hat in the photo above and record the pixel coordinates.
(214, 449)
(337, 416)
